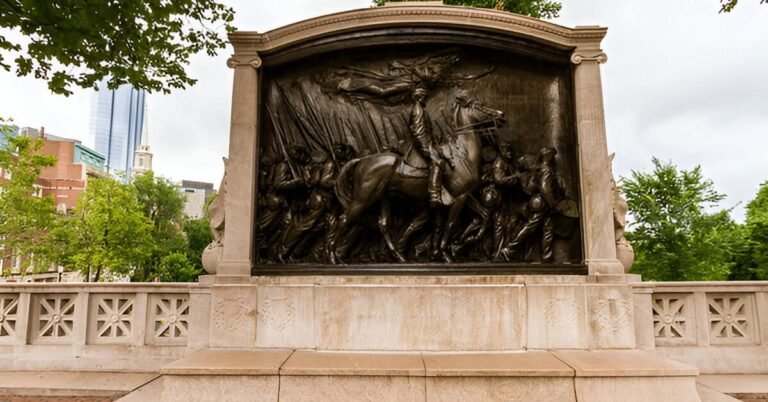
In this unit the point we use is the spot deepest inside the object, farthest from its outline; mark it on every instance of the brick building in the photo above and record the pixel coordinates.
(75, 162)
(64, 182)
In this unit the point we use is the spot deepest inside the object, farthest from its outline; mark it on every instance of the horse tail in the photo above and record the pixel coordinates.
(344, 183)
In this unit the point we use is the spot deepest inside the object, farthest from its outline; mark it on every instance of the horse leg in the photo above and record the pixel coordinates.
(479, 225)
(421, 219)
(369, 186)
(453, 217)
(345, 220)
(437, 234)
(384, 214)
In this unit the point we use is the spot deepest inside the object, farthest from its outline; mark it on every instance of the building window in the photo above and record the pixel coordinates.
(16, 264)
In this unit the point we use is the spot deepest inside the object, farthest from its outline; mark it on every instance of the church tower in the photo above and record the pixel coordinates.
(142, 160)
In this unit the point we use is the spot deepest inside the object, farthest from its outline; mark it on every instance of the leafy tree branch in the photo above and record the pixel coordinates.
(79, 42)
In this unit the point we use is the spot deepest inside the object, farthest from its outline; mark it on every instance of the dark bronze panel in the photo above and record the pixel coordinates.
(418, 156)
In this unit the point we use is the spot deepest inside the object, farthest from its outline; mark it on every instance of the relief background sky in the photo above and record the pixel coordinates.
(682, 83)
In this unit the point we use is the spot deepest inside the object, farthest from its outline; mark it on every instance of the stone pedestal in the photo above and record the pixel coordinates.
(437, 313)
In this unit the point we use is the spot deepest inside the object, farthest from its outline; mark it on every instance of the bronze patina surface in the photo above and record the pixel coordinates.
(418, 155)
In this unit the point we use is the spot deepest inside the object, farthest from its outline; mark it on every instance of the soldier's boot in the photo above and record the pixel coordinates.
(435, 185)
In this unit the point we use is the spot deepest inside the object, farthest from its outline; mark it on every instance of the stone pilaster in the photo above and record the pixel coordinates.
(597, 215)
(241, 167)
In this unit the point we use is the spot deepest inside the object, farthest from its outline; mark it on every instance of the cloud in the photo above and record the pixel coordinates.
(684, 83)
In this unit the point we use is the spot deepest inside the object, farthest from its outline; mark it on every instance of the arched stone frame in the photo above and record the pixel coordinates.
(581, 45)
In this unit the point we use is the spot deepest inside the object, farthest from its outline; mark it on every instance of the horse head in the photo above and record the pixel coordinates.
(470, 114)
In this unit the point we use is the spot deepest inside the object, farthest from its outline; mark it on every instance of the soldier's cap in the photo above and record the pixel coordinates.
(548, 151)
(319, 156)
(297, 148)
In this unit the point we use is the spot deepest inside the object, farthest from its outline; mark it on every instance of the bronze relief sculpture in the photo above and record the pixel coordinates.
(407, 159)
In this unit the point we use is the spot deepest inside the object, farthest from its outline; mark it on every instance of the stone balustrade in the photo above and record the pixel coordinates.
(93, 326)
(720, 327)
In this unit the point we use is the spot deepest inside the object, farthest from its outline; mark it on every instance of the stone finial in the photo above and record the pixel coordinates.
(624, 252)
(213, 253)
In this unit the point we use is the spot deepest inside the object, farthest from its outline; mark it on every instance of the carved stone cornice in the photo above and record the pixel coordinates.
(394, 16)
(598, 56)
(252, 61)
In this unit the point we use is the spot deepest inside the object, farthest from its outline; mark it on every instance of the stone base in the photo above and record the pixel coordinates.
(629, 376)
(743, 387)
(69, 385)
(416, 313)
(285, 375)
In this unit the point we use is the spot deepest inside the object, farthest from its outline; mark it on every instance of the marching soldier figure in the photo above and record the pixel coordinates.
(291, 176)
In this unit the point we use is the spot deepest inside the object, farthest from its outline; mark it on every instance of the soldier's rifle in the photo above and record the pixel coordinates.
(281, 143)
(304, 126)
(323, 127)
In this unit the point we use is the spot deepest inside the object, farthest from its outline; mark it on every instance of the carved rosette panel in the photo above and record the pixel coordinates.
(731, 318)
(673, 320)
(54, 317)
(113, 318)
(9, 305)
(169, 318)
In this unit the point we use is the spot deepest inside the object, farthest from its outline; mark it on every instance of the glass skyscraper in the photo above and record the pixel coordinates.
(117, 118)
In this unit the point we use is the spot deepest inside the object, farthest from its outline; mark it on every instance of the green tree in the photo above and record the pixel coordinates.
(534, 8)
(106, 232)
(726, 6)
(752, 262)
(199, 235)
(26, 217)
(757, 226)
(144, 43)
(163, 204)
(673, 236)
(175, 267)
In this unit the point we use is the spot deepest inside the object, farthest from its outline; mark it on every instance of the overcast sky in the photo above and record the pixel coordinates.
(682, 83)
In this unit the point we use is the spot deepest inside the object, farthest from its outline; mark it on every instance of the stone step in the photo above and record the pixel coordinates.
(712, 395)
(743, 387)
(65, 385)
(309, 375)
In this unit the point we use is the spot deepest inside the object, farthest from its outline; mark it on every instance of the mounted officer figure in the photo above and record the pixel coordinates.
(420, 126)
